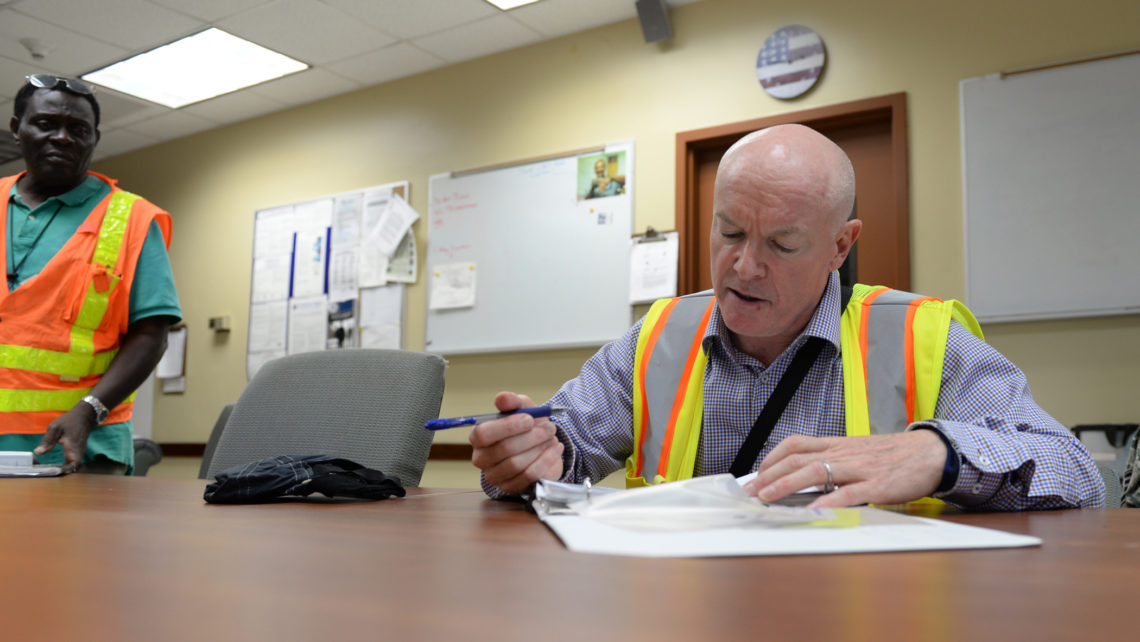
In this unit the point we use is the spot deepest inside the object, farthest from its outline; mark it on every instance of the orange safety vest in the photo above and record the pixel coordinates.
(60, 330)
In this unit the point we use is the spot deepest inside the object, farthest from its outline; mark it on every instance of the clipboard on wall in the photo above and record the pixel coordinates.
(653, 266)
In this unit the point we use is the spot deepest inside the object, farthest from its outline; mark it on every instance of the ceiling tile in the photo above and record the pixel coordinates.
(132, 24)
(11, 77)
(210, 10)
(309, 31)
(487, 36)
(171, 125)
(305, 87)
(386, 64)
(117, 110)
(413, 18)
(230, 108)
(68, 53)
(119, 141)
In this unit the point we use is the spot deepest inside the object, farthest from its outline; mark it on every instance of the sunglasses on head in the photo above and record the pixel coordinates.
(48, 81)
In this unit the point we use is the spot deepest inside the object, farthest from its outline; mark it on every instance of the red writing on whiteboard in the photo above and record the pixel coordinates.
(450, 250)
(453, 202)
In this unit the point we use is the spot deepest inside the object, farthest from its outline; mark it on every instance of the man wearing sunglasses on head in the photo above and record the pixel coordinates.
(89, 294)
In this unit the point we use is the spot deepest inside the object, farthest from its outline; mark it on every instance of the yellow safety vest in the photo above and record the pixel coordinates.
(893, 344)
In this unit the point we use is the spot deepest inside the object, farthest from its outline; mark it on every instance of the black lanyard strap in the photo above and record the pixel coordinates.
(772, 410)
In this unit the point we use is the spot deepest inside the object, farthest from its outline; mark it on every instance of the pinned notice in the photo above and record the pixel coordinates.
(453, 286)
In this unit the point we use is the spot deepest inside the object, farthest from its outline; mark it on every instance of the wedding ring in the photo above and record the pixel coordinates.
(830, 485)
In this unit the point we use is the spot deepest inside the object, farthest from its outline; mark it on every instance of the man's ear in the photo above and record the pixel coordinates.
(848, 234)
(14, 126)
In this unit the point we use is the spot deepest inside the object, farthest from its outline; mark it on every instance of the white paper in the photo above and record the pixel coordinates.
(172, 363)
(637, 523)
(273, 231)
(381, 317)
(308, 324)
(373, 267)
(267, 323)
(453, 286)
(394, 223)
(343, 273)
(347, 221)
(271, 276)
(653, 269)
(402, 266)
(309, 262)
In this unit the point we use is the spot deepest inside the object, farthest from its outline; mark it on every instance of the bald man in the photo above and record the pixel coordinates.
(872, 395)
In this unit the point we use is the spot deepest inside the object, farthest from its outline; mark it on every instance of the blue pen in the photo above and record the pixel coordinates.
(536, 412)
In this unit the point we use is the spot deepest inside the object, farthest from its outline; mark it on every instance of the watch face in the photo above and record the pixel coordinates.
(790, 62)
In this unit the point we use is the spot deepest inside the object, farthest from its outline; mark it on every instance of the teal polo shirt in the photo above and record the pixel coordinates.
(35, 235)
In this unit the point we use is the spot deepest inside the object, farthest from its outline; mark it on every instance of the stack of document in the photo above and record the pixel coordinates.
(712, 516)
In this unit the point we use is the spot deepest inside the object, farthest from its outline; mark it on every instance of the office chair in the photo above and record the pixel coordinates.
(147, 454)
(1113, 490)
(212, 442)
(369, 406)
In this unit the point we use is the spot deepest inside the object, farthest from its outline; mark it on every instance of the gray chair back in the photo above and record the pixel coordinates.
(212, 442)
(1113, 491)
(369, 406)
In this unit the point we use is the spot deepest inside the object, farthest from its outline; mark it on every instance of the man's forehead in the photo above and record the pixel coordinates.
(770, 228)
(53, 101)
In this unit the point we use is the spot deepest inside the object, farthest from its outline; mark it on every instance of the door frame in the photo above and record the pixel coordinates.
(891, 108)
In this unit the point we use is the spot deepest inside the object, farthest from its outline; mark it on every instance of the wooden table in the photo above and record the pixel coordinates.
(91, 557)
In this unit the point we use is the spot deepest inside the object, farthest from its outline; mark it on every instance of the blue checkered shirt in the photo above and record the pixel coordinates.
(1013, 455)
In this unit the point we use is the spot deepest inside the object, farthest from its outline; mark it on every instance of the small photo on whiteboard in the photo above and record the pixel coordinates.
(601, 175)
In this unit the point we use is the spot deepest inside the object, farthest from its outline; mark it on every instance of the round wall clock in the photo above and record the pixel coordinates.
(790, 61)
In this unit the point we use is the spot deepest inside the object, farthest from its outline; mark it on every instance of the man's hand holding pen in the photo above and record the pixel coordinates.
(516, 451)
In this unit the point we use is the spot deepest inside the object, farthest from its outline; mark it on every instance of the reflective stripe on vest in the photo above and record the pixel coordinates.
(892, 343)
(81, 360)
(666, 435)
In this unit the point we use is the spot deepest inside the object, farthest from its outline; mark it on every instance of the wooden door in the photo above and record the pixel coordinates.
(873, 134)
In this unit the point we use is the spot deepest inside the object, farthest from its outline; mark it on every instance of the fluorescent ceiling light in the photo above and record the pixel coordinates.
(207, 64)
(507, 5)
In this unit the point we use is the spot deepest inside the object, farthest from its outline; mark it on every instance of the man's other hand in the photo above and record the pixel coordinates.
(880, 469)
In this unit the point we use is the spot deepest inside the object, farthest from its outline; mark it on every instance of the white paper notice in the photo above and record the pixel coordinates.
(453, 286)
(267, 326)
(381, 317)
(172, 362)
(271, 277)
(309, 262)
(308, 324)
(347, 220)
(343, 273)
(396, 220)
(273, 231)
(653, 269)
(402, 267)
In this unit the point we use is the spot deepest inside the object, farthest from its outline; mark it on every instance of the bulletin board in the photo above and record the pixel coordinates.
(1050, 166)
(531, 255)
(329, 273)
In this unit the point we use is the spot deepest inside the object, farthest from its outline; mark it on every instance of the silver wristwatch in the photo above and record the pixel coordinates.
(101, 411)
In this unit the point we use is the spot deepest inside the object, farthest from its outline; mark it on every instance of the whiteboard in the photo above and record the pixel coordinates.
(1051, 180)
(549, 266)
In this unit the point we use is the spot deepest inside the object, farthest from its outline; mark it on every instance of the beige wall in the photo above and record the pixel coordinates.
(605, 85)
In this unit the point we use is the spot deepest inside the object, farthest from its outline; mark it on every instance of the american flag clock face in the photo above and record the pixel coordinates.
(790, 61)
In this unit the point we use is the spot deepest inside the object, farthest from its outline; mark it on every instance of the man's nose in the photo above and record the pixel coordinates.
(750, 262)
(62, 135)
